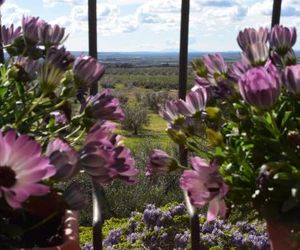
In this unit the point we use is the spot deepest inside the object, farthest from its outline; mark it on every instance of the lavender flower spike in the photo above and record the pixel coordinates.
(260, 87)
(87, 69)
(282, 39)
(291, 78)
(159, 163)
(251, 36)
(9, 35)
(205, 185)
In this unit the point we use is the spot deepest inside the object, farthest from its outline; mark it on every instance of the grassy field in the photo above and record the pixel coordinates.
(155, 131)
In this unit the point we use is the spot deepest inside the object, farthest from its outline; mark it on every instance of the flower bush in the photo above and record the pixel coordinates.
(168, 228)
(240, 126)
(51, 129)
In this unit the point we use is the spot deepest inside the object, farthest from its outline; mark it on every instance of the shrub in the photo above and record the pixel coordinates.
(154, 100)
(137, 116)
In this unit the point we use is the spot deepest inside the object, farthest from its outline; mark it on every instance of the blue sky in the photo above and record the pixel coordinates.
(153, 25)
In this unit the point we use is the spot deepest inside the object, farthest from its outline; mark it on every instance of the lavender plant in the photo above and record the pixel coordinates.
(167, 228)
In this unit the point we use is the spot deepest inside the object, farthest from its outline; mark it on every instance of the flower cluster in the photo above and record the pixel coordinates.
(51, 129)
(149, 232)
(240, 127)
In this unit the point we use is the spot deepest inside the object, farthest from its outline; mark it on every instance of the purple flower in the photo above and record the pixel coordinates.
(195, 102)
(170, 112)
(30, 66)
(291, 78)
(151, 215)
(9, 34)
(205, 185)
(282, 39)
(50, 35)
(21, 168)
(30, 28)
(104, 159)
(216, 66)
(159, 163)
(59, 57)
(63, 157)
(59, 117)
(238, 69)
(178, 210)
(104, 106)
(257, 53)
(251, 36)
(88, 69)
(260, 87)
(181, 240)
(113, 238)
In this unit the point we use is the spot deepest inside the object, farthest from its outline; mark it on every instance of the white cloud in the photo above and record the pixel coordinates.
(12, 13)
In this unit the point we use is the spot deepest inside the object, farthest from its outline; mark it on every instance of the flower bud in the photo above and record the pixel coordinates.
(282, 39)
(215, 137)
(160, 163)
(257, 53)
(260, 87)
(251, 36)
(291, 78)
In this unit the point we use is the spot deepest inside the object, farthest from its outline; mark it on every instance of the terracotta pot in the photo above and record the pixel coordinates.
(71, 234)
(281, 237)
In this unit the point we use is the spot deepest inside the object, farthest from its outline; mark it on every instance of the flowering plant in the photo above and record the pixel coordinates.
(50, 130)
(240, 126)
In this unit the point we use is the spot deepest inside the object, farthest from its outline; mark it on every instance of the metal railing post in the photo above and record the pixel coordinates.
(276, 12)
(182, 89)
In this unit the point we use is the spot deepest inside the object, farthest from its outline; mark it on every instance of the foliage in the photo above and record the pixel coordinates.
(136, 116)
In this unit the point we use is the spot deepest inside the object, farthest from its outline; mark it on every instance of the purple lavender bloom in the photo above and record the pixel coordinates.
(30, 28)
(178, 210)
(181, 240)
(133, 237)
(165, 219)
(151, 215)
(104, 106)
(257, 53)
(9, 34)
(88, 69)
(251, 36)
(260, 88)
(291, 78)
(159, 163)
(50, 35)
(282, 39)
(113, 238)
(59, 57)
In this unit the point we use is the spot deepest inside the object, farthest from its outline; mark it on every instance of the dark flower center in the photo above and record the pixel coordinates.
(7, 177)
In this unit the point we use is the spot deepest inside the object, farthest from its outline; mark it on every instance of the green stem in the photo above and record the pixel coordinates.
(29, 110)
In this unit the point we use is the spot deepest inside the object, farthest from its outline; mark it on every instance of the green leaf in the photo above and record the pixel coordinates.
(20, 89)
(285, 118)
(3, 91)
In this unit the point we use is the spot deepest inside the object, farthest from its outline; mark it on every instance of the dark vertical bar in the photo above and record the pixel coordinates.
(97, 189)
(276, 12)
(92, 13)
(183, 71)
(183, 57)
(1, 44)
